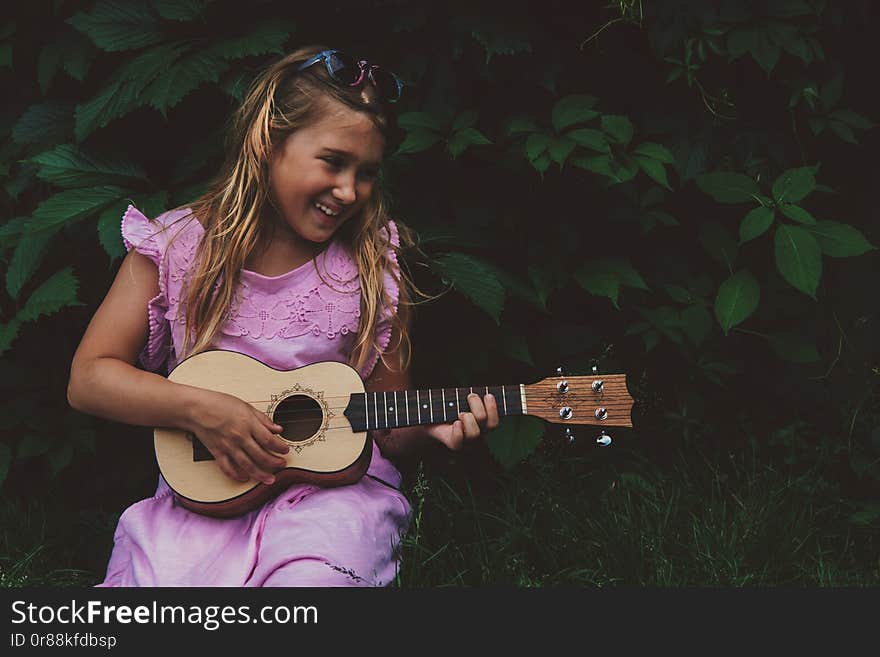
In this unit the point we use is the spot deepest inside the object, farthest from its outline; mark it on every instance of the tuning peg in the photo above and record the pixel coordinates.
(560, 371)
(569, 434)
(603, 440)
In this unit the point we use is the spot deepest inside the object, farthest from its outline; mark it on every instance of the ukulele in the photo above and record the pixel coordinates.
(326, 413)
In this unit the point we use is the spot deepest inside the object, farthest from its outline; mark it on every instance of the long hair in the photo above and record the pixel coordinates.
(280, 101)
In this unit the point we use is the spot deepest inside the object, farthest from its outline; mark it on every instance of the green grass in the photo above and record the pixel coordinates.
(565, 518)
(587, 524)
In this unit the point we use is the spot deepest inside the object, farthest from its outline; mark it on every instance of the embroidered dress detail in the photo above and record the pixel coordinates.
(307, 536)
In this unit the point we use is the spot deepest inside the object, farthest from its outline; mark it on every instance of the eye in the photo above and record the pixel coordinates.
(334, 161)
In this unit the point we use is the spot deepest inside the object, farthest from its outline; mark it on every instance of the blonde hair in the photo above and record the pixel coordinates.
(280, 101)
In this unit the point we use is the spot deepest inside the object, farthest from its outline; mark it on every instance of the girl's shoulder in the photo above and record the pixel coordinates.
(154, 237)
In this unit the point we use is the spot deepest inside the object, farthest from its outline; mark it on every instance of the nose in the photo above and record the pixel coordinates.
(345, 190)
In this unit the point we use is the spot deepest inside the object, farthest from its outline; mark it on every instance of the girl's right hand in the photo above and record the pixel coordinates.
(241, 438)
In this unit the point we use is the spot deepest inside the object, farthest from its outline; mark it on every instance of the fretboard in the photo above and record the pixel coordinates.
(404, 408)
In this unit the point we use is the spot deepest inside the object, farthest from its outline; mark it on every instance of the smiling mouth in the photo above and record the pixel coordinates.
(325, 210)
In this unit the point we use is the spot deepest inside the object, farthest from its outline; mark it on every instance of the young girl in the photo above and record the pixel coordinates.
(291, 258)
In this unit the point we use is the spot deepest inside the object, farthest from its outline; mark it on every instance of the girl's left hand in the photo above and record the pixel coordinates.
(483, 417)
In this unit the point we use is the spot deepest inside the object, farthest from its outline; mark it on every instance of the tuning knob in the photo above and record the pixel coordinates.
(598, 386)
(569, 434)
(603, 440)
(601, 413)
(565, 412)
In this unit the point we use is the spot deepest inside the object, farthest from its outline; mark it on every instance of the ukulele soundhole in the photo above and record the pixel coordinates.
(300, 415)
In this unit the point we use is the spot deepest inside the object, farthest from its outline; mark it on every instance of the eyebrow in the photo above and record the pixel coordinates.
(350, 156)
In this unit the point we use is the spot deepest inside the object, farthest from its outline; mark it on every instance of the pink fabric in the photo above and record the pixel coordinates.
(307, 536)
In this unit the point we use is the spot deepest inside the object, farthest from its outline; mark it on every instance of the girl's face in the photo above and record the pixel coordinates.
(322, 174)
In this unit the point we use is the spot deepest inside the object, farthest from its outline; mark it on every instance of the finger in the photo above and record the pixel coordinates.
(478, 409)
(229, 468)
(244, 461)
(492, 419)
(275, 443)
(456, 436)
(271, 442)
(265, 462)
(470, 426)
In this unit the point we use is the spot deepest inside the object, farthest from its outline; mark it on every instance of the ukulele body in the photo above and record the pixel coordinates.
(308, 402)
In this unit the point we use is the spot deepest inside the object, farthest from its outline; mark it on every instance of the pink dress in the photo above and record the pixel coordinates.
(307, 536)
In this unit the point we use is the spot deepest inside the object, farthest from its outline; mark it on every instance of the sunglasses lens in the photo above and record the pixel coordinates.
(386, 84)
(344, 68)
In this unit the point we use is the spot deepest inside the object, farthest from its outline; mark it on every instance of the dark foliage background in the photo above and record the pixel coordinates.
(681, 191)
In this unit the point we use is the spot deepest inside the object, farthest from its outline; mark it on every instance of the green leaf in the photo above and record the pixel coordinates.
(475, 279)
(728, 187)
(560, 148)
(618, 127)
(843, 131)
(654, 169)
(8, 333)
(536, 144)
(124, 92)
(184, 76)
(797, 213)
(794, 185)
(655, 151)
(411, 120)
(596, 163)
(604, 276)
(571, 110)
(180, 10)
(840, 240)
(33, 444)
(543, 281)
(798, 258)
(49, 122)
(542, 163)
(592, 139)
(28, 254)
(599, 283)
(68, 166)
(737, 298)
(265, 37)
(830, 93)
(60, 457)
(5, 459)
(72, 205)
(116, 25)
(696, 322)
(678, 293)
(417, 140)
(54, 294)
(516, 346)
(515, 438)
(464, 138)
(719, 243)
(109, 230)
(519, 125)
(852, 119)
(756, 222)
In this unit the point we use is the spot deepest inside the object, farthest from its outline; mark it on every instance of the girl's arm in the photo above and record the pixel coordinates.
(104, 381)
(407, 440)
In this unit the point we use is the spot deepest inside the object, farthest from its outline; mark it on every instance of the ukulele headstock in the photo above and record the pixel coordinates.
(597, 399)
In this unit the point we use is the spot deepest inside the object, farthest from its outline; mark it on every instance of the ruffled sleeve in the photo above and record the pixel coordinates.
(392, 289)
(150, 239)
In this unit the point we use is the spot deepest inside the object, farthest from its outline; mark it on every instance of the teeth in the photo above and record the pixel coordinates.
(326, 210)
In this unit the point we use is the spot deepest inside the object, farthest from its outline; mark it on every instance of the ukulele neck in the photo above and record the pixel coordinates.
(406, 408)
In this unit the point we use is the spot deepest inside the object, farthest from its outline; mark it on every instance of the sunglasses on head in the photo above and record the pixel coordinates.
(351, 72)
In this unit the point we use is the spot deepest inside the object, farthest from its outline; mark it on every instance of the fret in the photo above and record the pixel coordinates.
(504, 400)
(396, 422)
(450, 406)
(431, 405)
(443, 403)
(406, 403)
(418, 407)
(366, 413)
(457, 403)
(376, 409)
(385, 406)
